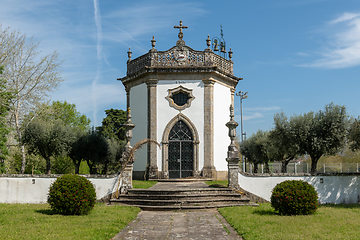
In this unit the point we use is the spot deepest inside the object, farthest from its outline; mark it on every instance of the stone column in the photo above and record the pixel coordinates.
(127, 160)
(127, 89)
(233, 153)
(165, 165)
(209, 168)
(152, 129)
(232, 90)
(196, 172)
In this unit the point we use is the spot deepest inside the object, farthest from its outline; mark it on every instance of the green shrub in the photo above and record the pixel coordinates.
(72, 195)
(294, 198)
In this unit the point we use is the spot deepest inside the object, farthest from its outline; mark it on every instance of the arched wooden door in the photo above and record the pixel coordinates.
(181, 151)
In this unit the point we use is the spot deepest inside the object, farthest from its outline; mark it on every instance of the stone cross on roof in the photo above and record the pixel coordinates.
(181, 28)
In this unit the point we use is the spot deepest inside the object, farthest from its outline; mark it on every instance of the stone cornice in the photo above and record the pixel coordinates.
(161, 72)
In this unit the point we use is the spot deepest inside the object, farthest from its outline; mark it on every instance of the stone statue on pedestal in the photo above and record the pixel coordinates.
(233, 153)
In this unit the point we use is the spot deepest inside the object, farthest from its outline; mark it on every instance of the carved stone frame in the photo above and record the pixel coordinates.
(176, 90)
(165, 144)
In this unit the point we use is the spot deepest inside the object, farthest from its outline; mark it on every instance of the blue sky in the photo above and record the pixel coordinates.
(295, 56)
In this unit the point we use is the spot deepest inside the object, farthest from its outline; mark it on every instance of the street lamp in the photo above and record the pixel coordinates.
(242, 96)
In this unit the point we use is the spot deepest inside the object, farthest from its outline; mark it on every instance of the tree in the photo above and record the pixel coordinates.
(112, 124)
(256, 149)
(354, 134)
(31, 75)
(48, 139)
(5, 98)
(78, 150)
(64, 112)
(91, 147)
(284, 146)
(112, 163)
(322, 133)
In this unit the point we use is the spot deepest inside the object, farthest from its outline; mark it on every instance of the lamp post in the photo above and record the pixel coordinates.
(242, 96)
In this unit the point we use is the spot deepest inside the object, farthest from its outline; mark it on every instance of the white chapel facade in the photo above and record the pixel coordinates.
(180, 98)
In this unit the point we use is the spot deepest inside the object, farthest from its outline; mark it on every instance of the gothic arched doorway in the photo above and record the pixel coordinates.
(181, 151)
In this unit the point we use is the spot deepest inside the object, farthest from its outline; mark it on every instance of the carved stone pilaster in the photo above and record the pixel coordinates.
(127, 89)
(165, 162)
(232, 90)
(209, 169)
(152, 129)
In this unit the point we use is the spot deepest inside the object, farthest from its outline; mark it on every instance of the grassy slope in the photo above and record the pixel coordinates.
(217, 182)
(36, 221)
(330, 222)
(143, 184)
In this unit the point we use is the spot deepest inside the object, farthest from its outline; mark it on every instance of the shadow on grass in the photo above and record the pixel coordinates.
(340, 205)
(46, 211)
(217, 186)
(265, 212)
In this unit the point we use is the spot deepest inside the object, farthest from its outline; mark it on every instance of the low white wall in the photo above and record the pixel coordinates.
(331, 189)
(35, 189)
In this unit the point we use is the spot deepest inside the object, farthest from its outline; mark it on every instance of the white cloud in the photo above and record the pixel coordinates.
(302, 54)
(345, 17)
(97, 17)
(263, 109)
(343, 50)
(257, 113)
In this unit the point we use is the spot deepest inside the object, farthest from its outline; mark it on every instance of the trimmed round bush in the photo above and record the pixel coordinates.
(72, 195)
(294, 197)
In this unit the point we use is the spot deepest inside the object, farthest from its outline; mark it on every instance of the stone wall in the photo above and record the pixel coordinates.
(27, 188)
(331, 188)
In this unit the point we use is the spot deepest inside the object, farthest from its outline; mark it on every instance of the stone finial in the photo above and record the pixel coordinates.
(129, 55)
(232, 149)
(153, 41)
(230, 54)
(208, 42)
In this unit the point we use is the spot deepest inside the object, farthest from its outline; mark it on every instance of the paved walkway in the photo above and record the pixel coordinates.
(194, 224)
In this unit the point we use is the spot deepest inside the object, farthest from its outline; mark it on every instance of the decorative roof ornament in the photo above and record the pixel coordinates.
(129, 55)
(153, 42)
(180, 42)
(219, 42)
(208, 43)
(181, 58)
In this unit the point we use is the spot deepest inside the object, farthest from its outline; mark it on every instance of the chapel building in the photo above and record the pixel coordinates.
(180, 98)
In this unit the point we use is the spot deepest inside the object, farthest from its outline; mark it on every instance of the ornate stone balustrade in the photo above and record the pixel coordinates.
(179, 57)
(138, 64)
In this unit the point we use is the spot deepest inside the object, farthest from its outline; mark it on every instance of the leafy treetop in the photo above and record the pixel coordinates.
(112, 124)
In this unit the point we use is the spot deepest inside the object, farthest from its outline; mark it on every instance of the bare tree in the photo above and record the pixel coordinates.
(29, 73)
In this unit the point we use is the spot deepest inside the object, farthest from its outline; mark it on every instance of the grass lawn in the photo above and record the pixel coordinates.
(216, 183)
(143, 184)
(329, 222)
(37, 221)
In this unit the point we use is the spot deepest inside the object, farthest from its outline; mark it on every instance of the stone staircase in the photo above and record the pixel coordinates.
(184, 197)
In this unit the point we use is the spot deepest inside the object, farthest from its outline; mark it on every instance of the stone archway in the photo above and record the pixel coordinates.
(187, 145)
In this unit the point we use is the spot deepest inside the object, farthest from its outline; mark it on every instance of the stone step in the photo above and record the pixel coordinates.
(179, 196)
(184, 180)
(181, 191)
(191, 207)
(187, 202)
